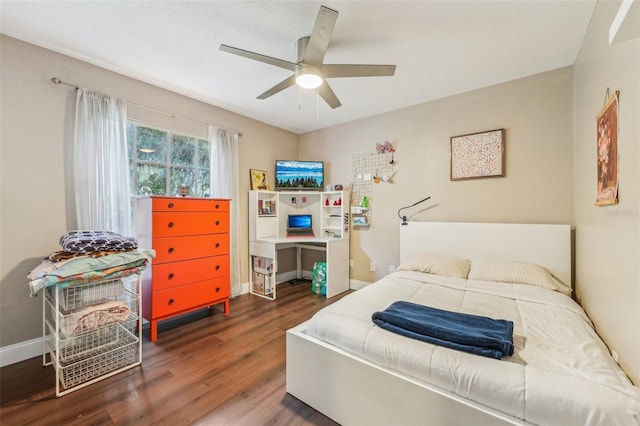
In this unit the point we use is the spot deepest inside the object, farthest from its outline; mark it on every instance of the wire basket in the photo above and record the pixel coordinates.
(81, 295)
(94, 354)
(86, 319)
(82, 371)
(89, 343)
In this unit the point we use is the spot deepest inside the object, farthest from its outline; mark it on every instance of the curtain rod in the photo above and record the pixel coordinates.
(56, 80)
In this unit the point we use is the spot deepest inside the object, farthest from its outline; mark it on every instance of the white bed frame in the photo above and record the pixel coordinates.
(353, 391)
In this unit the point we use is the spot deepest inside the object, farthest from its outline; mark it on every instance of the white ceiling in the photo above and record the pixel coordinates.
(440, 48)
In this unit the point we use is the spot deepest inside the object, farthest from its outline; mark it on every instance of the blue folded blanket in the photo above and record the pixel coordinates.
(469, 333)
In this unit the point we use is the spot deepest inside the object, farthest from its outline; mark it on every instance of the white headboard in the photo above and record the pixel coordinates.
(545, 245)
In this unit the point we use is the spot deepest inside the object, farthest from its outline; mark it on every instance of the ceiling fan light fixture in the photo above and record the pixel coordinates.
(308, 77)
(309, 70)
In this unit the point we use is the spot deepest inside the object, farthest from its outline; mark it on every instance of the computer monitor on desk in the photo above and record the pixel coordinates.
(299, 225)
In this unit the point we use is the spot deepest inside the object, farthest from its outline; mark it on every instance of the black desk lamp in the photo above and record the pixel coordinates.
(404, 218)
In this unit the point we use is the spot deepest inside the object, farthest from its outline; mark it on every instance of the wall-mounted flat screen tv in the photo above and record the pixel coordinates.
(295, 175)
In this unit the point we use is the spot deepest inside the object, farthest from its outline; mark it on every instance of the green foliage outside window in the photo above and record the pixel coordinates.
(161, 161)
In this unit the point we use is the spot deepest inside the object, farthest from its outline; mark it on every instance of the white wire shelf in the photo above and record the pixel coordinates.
(103, 343)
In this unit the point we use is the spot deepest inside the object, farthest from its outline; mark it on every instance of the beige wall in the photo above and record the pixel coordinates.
(608, 237)
(537, 115)
(37, 120)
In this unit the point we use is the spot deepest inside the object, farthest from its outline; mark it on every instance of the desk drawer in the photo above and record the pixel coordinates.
(194, 247)
(170, 204)
(178, 299)
(175, 274)
(171, 224)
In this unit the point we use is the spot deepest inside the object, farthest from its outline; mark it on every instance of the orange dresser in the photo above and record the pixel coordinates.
(191, 267)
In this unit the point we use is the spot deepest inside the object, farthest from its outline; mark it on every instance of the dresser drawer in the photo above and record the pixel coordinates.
(177, 299)
(193, 247)
(175, 274)
(189, 204)
(172, 224)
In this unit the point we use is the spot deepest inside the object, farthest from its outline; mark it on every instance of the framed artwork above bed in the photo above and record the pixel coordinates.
(477, 155)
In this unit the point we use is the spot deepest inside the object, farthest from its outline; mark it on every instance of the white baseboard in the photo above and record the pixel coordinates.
(20, 351)
(287, 276)
(357, 284)
(291, 275)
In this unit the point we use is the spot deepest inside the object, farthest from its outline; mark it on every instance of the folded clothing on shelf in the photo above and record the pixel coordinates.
(93, 317)
(88, 270)
(62, 256)
(91, 241)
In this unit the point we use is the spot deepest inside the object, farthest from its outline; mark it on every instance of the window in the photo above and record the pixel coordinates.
(160, 162)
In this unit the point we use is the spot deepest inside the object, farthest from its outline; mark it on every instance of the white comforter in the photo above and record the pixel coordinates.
(560, 374)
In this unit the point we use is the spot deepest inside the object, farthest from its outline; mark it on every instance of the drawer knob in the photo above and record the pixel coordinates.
(217, 289)
(217, 267)
(171, 302)
(170, 225)
(217, 206)
(171, 276)
(217, 245)
(170, 250)
(170, 205)
(217, 222)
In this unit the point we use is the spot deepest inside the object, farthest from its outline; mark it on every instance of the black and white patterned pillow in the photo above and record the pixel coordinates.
(90, 241)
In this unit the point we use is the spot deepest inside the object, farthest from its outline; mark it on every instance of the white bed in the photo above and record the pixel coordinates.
(357, 373)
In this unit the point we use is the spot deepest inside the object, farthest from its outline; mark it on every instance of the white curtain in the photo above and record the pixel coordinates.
(101, 165)
(224, 184)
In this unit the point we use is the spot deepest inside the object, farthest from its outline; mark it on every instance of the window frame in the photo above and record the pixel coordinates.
(202, 188)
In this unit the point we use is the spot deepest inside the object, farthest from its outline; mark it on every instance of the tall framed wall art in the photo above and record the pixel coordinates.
(607, 152)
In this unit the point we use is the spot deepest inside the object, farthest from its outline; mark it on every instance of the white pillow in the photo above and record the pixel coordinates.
(510, 271)
(437, 264)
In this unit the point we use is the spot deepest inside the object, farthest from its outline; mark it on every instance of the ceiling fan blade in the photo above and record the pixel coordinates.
(320, 36)
(278, 87)
(333, 71)
(258, 57)
(327, 94)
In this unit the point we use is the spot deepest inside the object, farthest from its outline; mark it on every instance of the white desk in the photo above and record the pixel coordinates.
(336, 256)
(268, 221)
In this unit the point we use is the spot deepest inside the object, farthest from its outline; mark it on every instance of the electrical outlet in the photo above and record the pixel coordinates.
(614, 355)
(351, 263)
(392, 268)
(372, 266)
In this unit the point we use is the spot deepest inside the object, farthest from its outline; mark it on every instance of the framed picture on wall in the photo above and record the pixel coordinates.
(259, 179)
(477, 155)
(607, 152)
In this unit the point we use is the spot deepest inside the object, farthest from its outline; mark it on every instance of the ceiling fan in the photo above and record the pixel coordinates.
(309, 71)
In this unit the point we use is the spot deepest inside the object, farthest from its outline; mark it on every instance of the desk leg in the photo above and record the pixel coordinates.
(298, 262)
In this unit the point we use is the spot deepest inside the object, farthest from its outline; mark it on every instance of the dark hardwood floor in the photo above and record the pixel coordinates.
(204, 369)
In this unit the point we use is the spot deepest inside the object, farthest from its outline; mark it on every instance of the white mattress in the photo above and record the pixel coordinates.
(560, 374)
